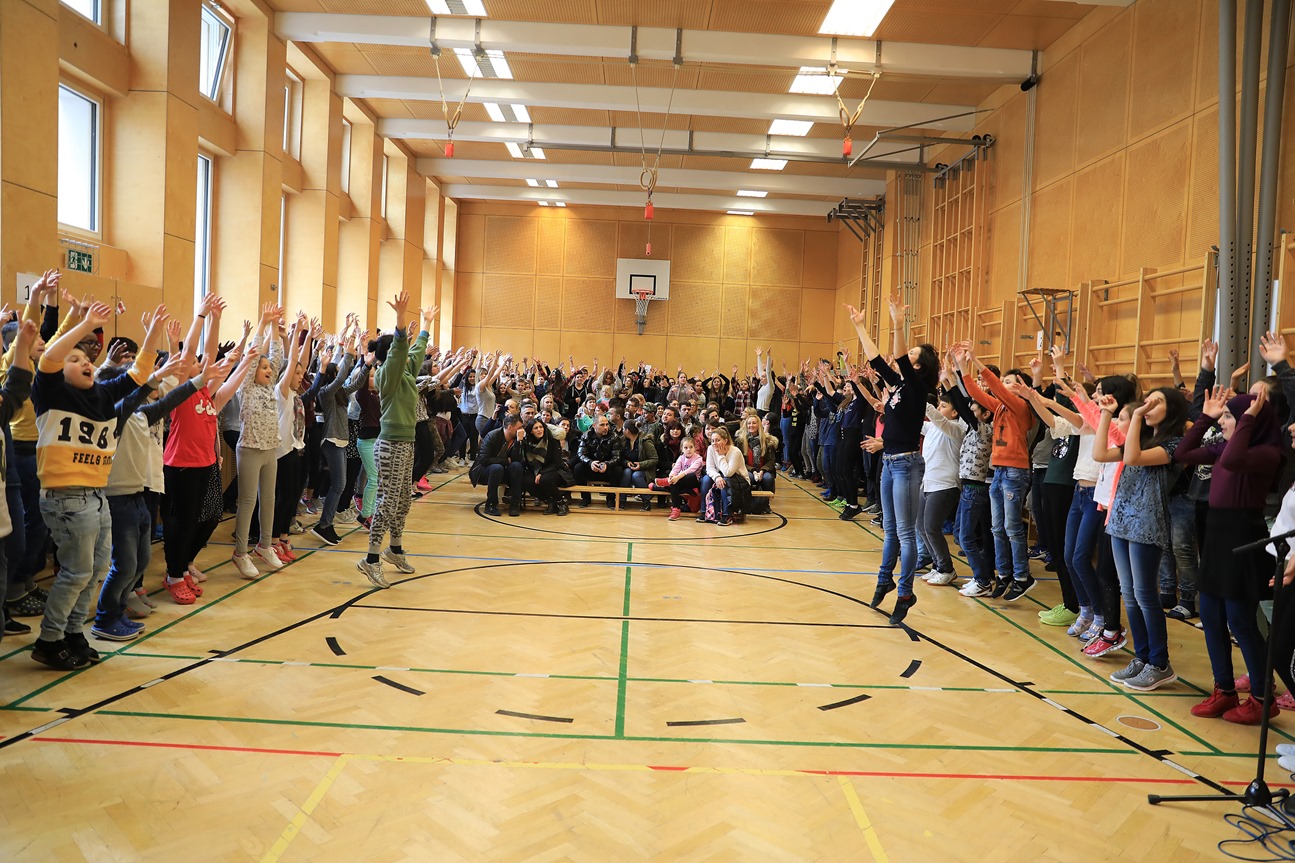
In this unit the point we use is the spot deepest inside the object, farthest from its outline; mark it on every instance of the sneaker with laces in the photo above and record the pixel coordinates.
(1243, 683)
(1102, 645)
(56, 655)
(902, 605)
(1080, 625)
(284, 551)
(974, 588)
(1058, 615)
(883, 588)
(1020, 587)
(1000, 587)
(296, 527)
(1128, 672)
(326, 534)
(1181, 611)
(194, 587)
(346, 516)
(267, 556)
(243, 563)
(1037, 552)
(79, 646)
(29, 605)
(1151, 677)
(1250, 712)
(423, 485)
(115, 631)
(941, 578)
(179, 590)
(674, 513)
(1092, 631)
(1216, 705)
(399, 561)
(373, 572)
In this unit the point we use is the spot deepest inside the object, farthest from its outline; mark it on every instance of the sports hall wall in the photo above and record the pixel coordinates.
(539, 281)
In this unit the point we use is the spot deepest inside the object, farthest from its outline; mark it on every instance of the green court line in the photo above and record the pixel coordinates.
(623, 677)
(477, 732)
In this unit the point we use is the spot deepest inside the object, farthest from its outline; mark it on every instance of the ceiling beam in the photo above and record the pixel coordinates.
(606, 140)
(664, 201)
(602, 97)
(657, 43)
(730, 181)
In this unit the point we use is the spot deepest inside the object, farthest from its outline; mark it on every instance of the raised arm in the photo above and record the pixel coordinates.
(859, 319)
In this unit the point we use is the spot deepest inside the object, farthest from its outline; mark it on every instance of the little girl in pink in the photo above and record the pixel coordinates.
(684, 476)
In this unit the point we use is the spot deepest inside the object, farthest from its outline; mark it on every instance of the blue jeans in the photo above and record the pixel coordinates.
(973, 512)
(1178, 570)
(33, 559)
(335, 457)
(132, 549)
(81, 524)
(721, 499)
(1218, 616)
(1083, 525)
(1006, 502)
(901, 493)
(785, 426)
(1138, 565)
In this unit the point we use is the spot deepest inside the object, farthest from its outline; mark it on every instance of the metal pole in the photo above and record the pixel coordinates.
(1269, 175)
(1246, 177)
(1226, 321)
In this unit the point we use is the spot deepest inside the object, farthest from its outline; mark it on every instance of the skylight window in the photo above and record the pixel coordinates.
(814, 80)
(457, 7)
(798, 128)
(516, 152)
(522, 115)
(532, 182)
(748, 193)
(741, 212)
(507, 113)
(492, 65)
(768, 164)
(496, 113)
(552, 184)
(855, 17)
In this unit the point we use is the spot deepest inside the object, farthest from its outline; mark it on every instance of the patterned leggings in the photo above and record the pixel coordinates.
(395, 460)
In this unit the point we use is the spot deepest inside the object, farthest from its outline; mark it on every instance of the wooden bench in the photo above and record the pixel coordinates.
(620, 491)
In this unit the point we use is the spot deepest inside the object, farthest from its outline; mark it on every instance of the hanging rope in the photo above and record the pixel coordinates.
(848, 119)
(648, 175)
(452, 122)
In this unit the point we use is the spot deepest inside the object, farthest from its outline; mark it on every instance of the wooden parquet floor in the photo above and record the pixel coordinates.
(605, 688)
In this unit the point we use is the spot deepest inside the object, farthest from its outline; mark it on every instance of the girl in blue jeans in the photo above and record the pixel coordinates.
(912, 384)
(1139, 528)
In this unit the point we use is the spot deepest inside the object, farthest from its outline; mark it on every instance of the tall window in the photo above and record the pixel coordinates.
(292, 96)
(346, 156)
(217, 33)
(283, 246)
(202, 236)
(78, 160)
(384, 187)
(89, 8)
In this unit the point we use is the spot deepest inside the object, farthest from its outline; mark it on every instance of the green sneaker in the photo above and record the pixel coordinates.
(1051, 610)
(1057, 616)
(838, 504)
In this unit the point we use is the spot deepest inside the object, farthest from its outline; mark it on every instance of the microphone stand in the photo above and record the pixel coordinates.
(1257, 793)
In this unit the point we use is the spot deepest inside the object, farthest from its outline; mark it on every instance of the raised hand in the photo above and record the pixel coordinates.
(98, 314)
(429, 317)
(1272, 347)
(1239, 377)
(1261, 399)
(1216, 402)
(898, 311)
(1107, 403)
(117, 353)
(1210, 354)
(173, 367)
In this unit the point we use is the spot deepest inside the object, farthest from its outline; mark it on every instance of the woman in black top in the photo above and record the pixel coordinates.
(901, 445)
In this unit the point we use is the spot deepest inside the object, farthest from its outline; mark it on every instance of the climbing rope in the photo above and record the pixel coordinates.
(648, 175)
(848, 119)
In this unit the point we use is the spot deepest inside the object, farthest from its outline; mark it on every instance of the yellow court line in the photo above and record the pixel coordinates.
(869, 834)
(303, 814)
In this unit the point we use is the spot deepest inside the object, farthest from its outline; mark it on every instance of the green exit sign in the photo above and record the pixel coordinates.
(82, 262)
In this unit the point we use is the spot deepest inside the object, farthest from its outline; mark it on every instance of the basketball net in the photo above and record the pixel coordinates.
(641, 300)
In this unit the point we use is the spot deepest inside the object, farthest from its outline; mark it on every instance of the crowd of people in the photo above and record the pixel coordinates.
(1137, 498)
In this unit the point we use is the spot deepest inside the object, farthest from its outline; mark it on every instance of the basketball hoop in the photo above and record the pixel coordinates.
(642, 296)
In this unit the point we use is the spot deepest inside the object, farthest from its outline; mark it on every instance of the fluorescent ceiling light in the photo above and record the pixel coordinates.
(522, 115)
(741, 212)
(493, 65)
(531, 182)
(559, 203)
(496, 113)
(812, 79)
(515, 151)
(537, 153)
(747, 193)
(542, 203)
(799, 128)
(457, 7)
(552, 184)
(855, 17)
(768, 164)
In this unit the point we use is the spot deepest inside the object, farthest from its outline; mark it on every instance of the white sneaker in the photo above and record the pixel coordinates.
(297, 527)
(267, 556)
(399, 561)
(972, 589)
(243, 563)
(346, 517)
(1286, 748)
(1287, 762)
(373, 572)
(941, 578)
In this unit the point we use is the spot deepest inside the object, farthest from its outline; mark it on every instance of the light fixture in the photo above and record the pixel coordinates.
(798, 128)
(741, 212)
(559, 203)
(813, 80)
(542, 203)
(513, 150)
(492, 65)
(768, 164)
(552, 184)
(496, 113)
(522, 115)
(516, 151)
(537, 153)
(457, 7)
(748, 193)
(855, 17)
(531, 182)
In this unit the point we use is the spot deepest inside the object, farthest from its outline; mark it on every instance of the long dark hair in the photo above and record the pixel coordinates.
(1119, 387)
(928, 367)
(1175, 421)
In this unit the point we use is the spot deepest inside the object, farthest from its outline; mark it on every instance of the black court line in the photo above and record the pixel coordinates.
(618, 617)
(533, 716)
(694, 722)
(478, 509)
(912, 668)
(334, 646)
(845, 703)
(400, 686)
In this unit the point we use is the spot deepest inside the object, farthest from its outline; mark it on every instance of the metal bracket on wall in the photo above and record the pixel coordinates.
(866, 216)
(1058, 308)
(920, 142)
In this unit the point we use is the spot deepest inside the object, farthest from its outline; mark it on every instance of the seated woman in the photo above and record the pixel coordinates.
(760, 450)
(541, 460)
(684, 476)
(670, 440)
(640, 459)
(726, 485)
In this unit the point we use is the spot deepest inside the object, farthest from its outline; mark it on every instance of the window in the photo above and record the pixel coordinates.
(202, 234)
(78, 160)
(384, 186)
(283, 246)
(89, 8)
(217, 32)
(346, 156)
(292, 92)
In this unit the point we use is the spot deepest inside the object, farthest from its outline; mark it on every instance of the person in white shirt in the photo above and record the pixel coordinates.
(725, 468)
(941, 449)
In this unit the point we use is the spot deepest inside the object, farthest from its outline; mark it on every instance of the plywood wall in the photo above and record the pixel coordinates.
(540, 282)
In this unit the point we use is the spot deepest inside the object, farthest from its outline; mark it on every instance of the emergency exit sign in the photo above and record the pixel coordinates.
(82, 262)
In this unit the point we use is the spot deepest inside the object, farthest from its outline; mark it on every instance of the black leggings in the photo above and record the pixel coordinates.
(424, 449)
(1108, 584)
(185, 536)
(846, 483)
(685, 483)
(1056, 507)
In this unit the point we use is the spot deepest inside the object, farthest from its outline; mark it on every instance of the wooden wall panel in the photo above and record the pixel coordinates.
(733, 310)
(816, 316)
(820, 261)
(588, 346)
(1203, 190)
(467, 300)
(472, 244)
(737, 255)
(1155, 199)
(1050, 233)
(657, 316)
(1096, 211)
(518, 341)
(632, 239)
(507, 301)
(1054, 131)
(591, 248)
(510, 245)
(548, 302)
(776, 257)
(587, 304)
(1164, 58)
(698, 253)
(1005, 246)
(551, 249)
(694, 309)
(1010, 150)
(774, 314)
(1101, 123)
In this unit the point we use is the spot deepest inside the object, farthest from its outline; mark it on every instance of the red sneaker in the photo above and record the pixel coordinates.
(424, 485)
(1216, 705)
(1243, 683)
(180, 592)
(674, 513)
(284, 551)
(1250, 712)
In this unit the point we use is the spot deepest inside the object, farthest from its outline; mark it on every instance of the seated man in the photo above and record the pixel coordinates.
(498, 462)
(599, 458)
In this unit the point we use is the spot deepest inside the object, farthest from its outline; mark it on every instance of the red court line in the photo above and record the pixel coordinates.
(882, 774)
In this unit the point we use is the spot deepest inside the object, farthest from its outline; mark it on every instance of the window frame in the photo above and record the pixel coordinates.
(226, 48)
(202, 239)
(283, 246)
(294, 89)
(347, 137)
(96, 166)
(386, 174)
(96, 18)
